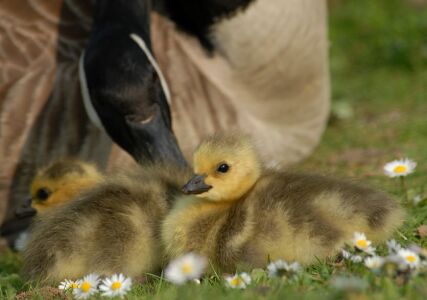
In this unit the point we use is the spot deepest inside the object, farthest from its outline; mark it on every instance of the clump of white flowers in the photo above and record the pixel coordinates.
(115, 286)
(399, 260)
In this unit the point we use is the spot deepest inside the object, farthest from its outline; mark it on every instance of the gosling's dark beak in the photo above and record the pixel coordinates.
(25, 210)
(196, 185)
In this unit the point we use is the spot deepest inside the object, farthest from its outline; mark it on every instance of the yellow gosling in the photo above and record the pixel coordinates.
(113, 227)
(239, 214)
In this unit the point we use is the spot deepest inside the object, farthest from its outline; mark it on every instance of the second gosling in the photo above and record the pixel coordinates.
(112, 228)
(241, 215)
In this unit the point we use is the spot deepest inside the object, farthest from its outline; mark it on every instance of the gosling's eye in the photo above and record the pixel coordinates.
(223, 168)
(42, 194)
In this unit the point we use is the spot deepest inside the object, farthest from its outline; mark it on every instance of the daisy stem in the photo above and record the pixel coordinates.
(404, 189)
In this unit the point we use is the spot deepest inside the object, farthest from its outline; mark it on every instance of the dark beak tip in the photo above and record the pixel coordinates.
(185, 190)
(196, 185)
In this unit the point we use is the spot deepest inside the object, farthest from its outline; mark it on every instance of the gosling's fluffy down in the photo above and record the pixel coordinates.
(112, 228)
(277, 215)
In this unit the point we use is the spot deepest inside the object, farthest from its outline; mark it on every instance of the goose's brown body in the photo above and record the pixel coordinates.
(295, 217)
(271, 62)
(111, 228)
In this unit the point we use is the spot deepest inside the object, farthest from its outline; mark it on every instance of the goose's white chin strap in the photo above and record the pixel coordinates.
(137, 39)
(90, 110)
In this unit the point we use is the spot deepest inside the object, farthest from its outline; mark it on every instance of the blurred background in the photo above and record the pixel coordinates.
(378, 62)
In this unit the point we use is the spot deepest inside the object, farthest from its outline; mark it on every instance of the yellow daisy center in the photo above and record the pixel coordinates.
(235, 281)
(400, 169)
(187, 268)
(85, 287)
(411, 258)
(116, 285)
(362, 244)
(74, 285)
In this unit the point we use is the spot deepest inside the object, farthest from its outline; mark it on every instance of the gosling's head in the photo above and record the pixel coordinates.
(58, 183)
(225, 167)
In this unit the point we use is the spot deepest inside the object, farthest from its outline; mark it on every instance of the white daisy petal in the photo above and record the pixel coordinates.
(295, 267)
(399, 168)
(246, 278)
(22, 241)
(371, 250)
(393, 246)
(280, 268)
(417, 199)
(185, 268)
(345, 254)
(277, 267)
(356, 258)
(374, 262)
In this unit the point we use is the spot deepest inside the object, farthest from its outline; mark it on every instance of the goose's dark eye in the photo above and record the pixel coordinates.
(42, 194)
(223, 168)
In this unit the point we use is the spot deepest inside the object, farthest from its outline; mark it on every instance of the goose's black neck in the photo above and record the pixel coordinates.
(133, 15)
(197, 16)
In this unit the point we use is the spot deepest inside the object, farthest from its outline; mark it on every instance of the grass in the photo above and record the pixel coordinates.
(379, 75)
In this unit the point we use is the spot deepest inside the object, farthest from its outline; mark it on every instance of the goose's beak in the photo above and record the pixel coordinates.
(196, 185)
(25, 210)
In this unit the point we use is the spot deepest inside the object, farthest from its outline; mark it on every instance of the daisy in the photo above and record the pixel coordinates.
(374, 262)
(393, 246)
(116, 285)
(68, 285)
(356, 258)
(417, 199)
(398, 168)
(371, 250)
(185, 268)
(345, 254)
(22, 241)
(86, 286)
(410, 258)
(238, 281)
(281, 268)
(361, 243)
(295, 267)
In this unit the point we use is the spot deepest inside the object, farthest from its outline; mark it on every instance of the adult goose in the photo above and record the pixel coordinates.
(156, 76)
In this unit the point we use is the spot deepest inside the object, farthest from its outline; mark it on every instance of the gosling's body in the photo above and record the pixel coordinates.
(295, 217)
(112, 228)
